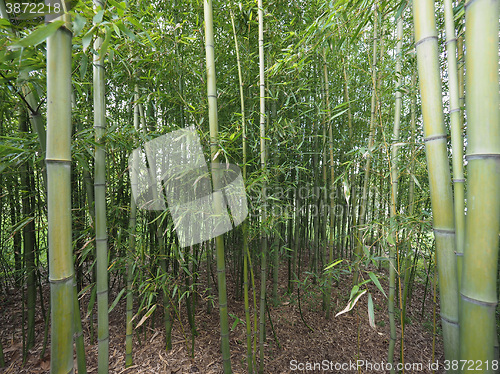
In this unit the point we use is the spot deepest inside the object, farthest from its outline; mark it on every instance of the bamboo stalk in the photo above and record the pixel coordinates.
(364, 196)
(457, 142)
(58, 161)
(262, 120)
(332, 180)
(393, 249)
(100, 206)
(438, 170)
(479, 278)
(214, 150)
(244, 226)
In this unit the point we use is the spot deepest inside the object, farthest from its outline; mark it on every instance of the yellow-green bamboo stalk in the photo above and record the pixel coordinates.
(100, 206)
(244, 226)
(58, 161)
(479, 278)
(262, 116)
(457, 142)
(393, 250)
(214, 150)
(438, 169)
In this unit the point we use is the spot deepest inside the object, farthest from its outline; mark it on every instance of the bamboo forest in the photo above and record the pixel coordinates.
(254, 186)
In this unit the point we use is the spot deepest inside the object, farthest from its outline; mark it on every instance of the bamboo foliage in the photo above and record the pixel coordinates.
(214, 150)
(438, 169)
(479, 278)
(58, 161)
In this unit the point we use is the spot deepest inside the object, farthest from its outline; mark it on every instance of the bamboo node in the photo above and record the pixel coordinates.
(435, 137)
(478, 302)
(427, 38)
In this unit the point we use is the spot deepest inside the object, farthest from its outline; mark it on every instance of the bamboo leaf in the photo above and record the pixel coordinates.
(98, 17)
(91, 302)
(117, 299)
(376, 281)
(40, 34)
(351, 304)
(146, 316)
(333, 264)
(105, 44)
(78, 24)
(87, 39)
(371, 313)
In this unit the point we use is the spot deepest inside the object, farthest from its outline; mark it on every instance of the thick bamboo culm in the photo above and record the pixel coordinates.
(479, 278)
(58, 161)
(435, 139)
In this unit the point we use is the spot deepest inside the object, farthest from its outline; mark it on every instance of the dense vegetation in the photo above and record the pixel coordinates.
(348, 119)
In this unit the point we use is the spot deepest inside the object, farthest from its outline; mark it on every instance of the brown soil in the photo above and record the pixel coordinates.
(335, 344)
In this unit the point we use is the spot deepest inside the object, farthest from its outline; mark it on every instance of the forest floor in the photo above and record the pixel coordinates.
(335, 345)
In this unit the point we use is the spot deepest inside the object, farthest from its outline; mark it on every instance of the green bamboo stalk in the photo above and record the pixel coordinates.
(438, 170)
(131, 246)
(100, 206)
(329, 125)
(479, 278)
(28, 243)
(393, 249)
(214, 149)
(58, 161)
(244, 226)
(78, 336)
(262, 116)
(457, 142)
(364, 197)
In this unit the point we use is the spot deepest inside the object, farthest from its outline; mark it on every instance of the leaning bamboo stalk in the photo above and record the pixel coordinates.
(438, 169)
(214, 150)
(100, 206)
(479, 278)
(58, 161)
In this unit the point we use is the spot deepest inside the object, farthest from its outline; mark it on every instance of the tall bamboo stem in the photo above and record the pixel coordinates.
(262, 116)
(438, 170)
(457, 142)
(100, 206)
(214, 150)
(393, 250)
(58, 161)
(479, 278)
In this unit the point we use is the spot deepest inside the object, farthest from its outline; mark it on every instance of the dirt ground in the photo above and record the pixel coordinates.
(343, 344)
